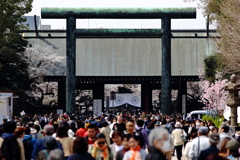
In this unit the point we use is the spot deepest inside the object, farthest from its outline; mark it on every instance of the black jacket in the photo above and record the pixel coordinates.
(155, 155)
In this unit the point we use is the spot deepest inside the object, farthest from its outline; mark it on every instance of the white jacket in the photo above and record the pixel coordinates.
(202, 142)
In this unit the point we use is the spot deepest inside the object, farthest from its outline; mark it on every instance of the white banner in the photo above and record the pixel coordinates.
(125, 99)
(97, 106)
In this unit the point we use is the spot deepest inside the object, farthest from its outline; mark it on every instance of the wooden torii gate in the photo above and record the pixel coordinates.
(71, 14)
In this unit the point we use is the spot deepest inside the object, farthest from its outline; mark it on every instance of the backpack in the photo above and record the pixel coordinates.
(28, 148)
(10, 149)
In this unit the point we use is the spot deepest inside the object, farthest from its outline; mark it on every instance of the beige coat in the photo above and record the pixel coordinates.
(67, 144)
(177, 136)
(106, 131)
(20, 143)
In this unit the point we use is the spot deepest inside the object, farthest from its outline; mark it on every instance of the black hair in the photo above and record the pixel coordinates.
(140, 123)
(130, 120)
(37, 127)
(5, 120)
(137, 138)
(55, 126)
(127, 136)
(62, 132)
(30, 124)
(225, 129)
(9, 127)
(91, 126)
(100, 135)
(27, 130)
(104, 124)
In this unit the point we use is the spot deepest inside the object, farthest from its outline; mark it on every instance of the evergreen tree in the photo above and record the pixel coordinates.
(13, 66)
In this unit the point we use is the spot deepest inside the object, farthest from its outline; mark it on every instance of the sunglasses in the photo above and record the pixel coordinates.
(99, 143)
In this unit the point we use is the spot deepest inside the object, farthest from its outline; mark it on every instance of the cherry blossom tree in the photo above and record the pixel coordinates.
(213, 95)
(43, 61)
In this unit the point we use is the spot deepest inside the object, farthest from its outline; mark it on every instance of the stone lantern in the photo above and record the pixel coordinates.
(233, 100)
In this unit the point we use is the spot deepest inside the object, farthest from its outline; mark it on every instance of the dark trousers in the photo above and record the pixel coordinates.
(179, 151)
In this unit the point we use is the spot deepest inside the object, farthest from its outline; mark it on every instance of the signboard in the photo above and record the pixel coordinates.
(59, 111)
(97, 106)
(125, 98)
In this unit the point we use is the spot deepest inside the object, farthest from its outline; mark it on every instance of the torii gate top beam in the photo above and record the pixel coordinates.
(119, 13)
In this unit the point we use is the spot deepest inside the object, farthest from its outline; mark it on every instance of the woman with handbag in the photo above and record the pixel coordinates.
(179, 137)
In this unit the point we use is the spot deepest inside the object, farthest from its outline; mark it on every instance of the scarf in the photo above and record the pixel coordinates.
(135, 151)
(96, 151)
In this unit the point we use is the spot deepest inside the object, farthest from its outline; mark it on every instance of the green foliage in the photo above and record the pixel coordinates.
(212, 64)
(14, 74)
(216, 120)
(124, 90)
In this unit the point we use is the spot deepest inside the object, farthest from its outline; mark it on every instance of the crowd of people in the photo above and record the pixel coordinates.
(124, 136)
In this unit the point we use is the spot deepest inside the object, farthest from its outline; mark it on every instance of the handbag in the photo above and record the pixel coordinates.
(184, 138)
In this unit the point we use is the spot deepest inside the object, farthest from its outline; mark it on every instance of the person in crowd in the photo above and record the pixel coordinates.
(200, 143)
(142, 132)
(11, 144)
(100, 149)
(223, 150)
(126, 147)
(80, 150)
(48, 131)
(36, 123)
(80, 132)
(49, 144)
(158, 140)
(193, 128)
(117, 145)
(237, 134)
(223, 133)
(130, 129)
(20, 133)
(157, 124)
(91, 134)
(146, 122)
(65, 140)
(232, 147)
(39, 135)
(73, 127)
(106, 131)
(178, 135)
(107, 120)
(214, 140)
(150, 127)
(170, 145)
(185, 154)
(135, 152)
(33, 130)
(29, 143)
(186, 128)
(56, 154)
(120, 126)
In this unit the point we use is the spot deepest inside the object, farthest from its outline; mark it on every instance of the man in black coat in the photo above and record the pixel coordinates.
(212, 150)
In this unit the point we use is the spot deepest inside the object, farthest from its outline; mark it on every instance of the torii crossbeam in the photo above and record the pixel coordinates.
(71, 14)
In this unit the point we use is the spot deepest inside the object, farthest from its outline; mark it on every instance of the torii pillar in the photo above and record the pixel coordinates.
(166, 14)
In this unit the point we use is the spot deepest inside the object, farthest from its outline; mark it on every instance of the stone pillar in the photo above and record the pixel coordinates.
(71, 65)
(166, 66)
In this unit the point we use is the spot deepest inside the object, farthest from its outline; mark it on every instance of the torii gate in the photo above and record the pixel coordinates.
(166, 14)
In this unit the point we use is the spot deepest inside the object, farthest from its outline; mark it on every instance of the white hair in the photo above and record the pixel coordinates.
(56, 154)
(157, 134)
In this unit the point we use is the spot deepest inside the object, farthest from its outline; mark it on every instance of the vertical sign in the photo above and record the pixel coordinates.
(97, 106)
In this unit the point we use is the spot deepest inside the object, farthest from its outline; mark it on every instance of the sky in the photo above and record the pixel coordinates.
(198, 23)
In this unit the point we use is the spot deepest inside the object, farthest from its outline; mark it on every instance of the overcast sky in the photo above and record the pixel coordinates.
(198, 23)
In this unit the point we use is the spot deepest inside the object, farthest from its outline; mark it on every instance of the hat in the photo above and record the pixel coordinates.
(232, 144)
(214, 138)
(50, 142)
(36, 123)
(178, 125)
(157, 123)
(48, 128)
(203, 130)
